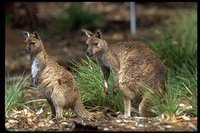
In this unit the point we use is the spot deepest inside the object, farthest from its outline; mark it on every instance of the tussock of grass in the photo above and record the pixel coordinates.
(90, 81)
(179, 90)
(176, 45)
(13, 94)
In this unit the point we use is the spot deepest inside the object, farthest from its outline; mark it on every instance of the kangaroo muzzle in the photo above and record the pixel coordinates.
(89, 53)
(27, 49)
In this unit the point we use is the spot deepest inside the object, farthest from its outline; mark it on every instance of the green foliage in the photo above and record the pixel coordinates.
(176, 45)
(74, 18)
(179, 90)
(188, 87)
(90, 81)
(166, 105)
(177, 42)
(13, 94)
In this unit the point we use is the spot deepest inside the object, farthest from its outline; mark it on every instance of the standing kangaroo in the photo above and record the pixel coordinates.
(133, 64)
(53, 81)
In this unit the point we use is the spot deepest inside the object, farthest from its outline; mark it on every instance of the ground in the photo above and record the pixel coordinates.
(65, 48)
(112, 121)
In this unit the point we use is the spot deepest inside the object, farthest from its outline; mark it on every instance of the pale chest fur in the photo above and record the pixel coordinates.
(35, 69)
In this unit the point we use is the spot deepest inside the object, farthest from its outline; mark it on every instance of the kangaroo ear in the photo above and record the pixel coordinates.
(87, 33)
(36, 35)
(99, 33)
(25, 34)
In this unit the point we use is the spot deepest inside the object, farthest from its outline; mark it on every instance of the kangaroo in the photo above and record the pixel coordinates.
(133, 64)
(56, 83)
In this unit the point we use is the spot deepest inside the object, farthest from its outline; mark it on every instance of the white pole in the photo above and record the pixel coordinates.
(133, 20)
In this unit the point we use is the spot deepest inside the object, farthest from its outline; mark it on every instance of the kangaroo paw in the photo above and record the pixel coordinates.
(106, 91)
(115, 90)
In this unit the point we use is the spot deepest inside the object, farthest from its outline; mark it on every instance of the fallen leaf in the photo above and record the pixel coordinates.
(39, 111)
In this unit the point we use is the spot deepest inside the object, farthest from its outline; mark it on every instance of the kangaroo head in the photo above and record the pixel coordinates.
(95, 44)
(33, 42)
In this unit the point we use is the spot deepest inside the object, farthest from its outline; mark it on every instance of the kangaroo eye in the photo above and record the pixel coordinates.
(95, 44)
(32, 43)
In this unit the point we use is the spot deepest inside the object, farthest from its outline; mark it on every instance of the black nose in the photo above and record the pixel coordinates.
(89, 53)
(27, 50)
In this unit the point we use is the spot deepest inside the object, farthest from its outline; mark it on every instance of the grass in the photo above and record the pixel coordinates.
(180, 90)
(13, 94)
(90, 81)
(188, 87)
(165, 107)
(176, 45)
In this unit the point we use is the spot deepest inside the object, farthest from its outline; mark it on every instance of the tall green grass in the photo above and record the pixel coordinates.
(180, 89)
(176, 42)
(13, 94)
(176, 45)
(90, 81)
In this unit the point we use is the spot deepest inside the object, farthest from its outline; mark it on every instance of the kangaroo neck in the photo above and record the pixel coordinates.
(106, 57)
(104, 51)
(40, 57)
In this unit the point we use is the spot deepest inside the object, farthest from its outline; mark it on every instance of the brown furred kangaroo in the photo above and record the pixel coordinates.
(133, 64)
(56, 83)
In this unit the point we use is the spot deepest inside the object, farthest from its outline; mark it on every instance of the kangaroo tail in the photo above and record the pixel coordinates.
(80, 110)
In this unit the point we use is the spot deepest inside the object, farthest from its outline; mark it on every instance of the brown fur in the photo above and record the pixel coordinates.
(133, 63)
(53, 81)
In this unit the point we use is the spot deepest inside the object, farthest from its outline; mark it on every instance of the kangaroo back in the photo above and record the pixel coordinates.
(133, 64)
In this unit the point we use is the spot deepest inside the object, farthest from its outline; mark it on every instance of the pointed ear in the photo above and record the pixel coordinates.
(25, 34)
(87, 33)
(99, 33)
(36, 35)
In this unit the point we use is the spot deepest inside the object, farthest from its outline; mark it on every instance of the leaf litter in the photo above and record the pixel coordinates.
(26, 120)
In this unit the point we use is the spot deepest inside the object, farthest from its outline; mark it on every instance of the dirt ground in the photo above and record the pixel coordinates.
(111, 121)
(117, 17)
